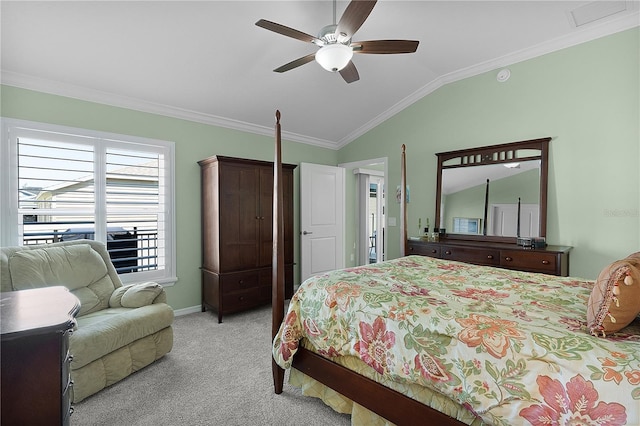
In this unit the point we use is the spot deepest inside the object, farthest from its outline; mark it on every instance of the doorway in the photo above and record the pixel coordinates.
(369, 209)
(375, 213)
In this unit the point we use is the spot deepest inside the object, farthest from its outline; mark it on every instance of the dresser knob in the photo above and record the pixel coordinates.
(545, 262)
(240, 281)
(447, 252)
(434, 251)
(508, 259)
(490, 257)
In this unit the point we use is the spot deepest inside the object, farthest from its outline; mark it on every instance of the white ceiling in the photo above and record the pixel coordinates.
(206, 61)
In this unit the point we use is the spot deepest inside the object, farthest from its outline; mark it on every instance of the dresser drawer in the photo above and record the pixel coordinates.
(478, 256)
(67, 406)
(66, 369)
(525, 260)
(66, 360)
(424, 249)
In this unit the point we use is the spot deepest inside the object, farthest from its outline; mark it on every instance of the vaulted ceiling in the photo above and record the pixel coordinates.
(207, 61)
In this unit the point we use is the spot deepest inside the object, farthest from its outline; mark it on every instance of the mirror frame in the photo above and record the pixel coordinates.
(496, 154)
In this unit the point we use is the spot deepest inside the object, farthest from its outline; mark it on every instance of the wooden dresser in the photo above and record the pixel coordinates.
(237, 230)
(36, 385)
(553, 260)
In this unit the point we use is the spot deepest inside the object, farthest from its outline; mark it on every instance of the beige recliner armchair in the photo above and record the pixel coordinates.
(120, 330)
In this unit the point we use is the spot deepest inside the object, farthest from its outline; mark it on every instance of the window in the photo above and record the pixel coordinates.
(65, 184)
(466, 225)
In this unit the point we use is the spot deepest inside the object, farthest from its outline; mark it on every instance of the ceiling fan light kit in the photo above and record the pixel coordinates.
(334, 57)
(336, 49)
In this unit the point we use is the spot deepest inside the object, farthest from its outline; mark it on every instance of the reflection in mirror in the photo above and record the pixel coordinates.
(463, 199)
(494, 193)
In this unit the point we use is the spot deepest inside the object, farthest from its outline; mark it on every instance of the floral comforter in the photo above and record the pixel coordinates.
(510, 346)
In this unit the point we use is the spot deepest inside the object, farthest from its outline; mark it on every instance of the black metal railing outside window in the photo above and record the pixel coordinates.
(131, 250)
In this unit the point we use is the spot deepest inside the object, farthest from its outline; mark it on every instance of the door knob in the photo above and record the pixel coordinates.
(306, 233)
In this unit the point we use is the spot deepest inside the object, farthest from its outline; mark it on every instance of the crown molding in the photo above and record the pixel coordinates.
(38, 84)
(588, 33)
(580, 35)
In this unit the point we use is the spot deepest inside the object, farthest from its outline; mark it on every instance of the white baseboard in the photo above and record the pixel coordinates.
(186, 311)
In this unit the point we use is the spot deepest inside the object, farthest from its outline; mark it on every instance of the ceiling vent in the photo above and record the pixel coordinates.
(595, 11)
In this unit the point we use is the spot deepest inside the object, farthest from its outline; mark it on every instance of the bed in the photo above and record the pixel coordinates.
(419, 340)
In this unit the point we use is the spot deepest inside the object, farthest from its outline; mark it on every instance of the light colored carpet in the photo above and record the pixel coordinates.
(216, 374)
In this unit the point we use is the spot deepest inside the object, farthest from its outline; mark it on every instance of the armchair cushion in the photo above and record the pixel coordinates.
(78, 267)
(103, 332)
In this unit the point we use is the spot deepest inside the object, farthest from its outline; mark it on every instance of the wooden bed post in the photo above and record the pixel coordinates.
(403, 203)
(386, 402)
(277, 278)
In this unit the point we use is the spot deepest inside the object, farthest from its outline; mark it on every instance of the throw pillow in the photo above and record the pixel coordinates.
(139, 295)
(615, 299)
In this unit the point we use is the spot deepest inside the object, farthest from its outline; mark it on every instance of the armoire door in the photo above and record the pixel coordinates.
(240, 214)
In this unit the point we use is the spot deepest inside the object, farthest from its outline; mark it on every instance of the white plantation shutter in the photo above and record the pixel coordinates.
(134, 200)
(69, 183)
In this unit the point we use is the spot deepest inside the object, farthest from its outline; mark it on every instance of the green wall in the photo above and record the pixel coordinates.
(585, 97)
(193, 141)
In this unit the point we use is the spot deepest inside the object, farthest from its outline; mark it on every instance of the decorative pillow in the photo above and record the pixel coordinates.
(139, 295)
(615, 299)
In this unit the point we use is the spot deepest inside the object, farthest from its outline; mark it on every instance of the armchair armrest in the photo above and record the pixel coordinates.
(137, 295)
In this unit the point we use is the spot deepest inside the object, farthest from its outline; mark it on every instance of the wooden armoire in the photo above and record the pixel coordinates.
(237, 229)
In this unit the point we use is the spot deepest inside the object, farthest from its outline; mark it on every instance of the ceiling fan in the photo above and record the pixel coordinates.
(336, 46)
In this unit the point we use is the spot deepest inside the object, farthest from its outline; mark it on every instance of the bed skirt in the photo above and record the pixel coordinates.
(360, 416)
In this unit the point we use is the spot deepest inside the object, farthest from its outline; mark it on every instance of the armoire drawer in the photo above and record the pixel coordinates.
(245, 299)
(239, 281)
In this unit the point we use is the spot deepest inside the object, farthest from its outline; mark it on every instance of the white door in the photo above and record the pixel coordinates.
(321, 219)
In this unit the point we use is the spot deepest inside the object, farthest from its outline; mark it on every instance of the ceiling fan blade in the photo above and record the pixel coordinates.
(294, 64)
(286, 31)
(353, 17)
(350, 73)
(385, 46)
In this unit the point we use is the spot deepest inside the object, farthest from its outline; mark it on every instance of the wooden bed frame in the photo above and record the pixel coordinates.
(386, 402)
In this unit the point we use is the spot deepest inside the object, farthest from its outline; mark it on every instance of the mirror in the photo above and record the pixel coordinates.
(495, 193)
